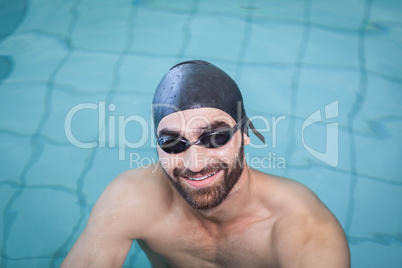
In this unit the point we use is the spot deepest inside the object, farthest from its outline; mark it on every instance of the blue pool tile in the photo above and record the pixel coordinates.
(15, 153)
(84, 123)
(40, 13)
(141, 74)
(41, 222)
(88, 72)
(54, 166)
(104, 168)
(5, 67)
(118, 59)
(132, 116)
(35, 262)
(388, 253)
(318, 88)
(385, 61)
(382, 103)
(83, 126)
(386, 11)
(152, 36)
(278, 11)
(21, 107)
(266, 90)
(6, 192)
(334, 16)
(297, 151)
(226, 7)
(375, 207)
(260, 11)
(272, 42)
(203, 43)
(136, 257)
(99, 30)
(179, 6)
(379, 156)
(128, 104)
(332, 48)
(11, 15)
(33, 63)
(317, 139)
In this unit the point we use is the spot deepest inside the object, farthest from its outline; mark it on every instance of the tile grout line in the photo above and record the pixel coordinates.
(187, 30)
(357, 105)
(61, 251)
(248, 29)
(296, 78)
(285, 65)
(378, 238)
(10, 216)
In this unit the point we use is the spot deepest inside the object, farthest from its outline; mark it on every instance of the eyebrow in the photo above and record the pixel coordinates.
(201, 130)
(213, 126)
(168, 132)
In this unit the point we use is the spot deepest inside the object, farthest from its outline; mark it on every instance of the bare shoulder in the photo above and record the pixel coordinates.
(125, 211)
(137, 197)
(135, 183)
(306, 233)
(287, 195)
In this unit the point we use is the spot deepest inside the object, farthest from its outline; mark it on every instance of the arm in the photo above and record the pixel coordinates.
(98, 246)
(111, 227)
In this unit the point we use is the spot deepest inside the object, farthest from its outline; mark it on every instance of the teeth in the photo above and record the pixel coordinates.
(203, 178)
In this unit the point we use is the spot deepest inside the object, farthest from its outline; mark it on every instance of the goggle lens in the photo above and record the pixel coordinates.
(175, 145)
(215, 139)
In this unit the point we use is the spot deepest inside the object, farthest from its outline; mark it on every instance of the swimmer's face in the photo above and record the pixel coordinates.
(203, 176)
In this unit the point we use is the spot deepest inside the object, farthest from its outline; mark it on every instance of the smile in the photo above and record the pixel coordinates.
(202, 178)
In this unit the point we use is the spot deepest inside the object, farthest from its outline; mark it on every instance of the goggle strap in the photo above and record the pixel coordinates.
(255, 131)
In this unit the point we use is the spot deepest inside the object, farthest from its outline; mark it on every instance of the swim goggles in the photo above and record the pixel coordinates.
(215, 139)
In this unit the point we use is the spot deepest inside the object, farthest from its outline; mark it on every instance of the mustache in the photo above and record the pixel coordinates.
(205, 171)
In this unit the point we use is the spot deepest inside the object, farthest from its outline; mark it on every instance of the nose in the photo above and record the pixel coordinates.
(195, 158)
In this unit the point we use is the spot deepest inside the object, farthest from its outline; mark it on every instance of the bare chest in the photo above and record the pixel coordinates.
(193, 246)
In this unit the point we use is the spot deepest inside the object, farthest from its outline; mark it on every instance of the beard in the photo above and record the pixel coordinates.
(211, 196)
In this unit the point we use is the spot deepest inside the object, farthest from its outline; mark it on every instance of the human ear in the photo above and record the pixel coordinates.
(246, 139)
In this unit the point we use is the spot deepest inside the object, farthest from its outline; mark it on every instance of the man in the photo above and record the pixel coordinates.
(203, 206)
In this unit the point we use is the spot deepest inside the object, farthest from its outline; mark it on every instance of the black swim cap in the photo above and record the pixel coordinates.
(198, 84)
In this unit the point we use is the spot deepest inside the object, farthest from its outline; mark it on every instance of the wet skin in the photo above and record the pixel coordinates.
(264, 221)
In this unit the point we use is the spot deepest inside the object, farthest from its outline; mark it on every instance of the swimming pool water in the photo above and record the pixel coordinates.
(291, 60)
